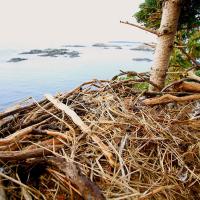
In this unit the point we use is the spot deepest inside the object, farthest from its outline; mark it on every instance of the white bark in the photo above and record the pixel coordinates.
(167, 32)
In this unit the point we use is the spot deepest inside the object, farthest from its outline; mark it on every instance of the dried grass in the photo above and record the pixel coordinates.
(156, 149)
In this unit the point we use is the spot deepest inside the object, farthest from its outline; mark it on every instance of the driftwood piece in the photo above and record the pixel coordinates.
(85, 186)
(15, 137)
(188, 86)
(86, 129)
(18, 135)
(167, 98)
(178, 82)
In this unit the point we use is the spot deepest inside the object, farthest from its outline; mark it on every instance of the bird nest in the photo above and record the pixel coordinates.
(99, 141)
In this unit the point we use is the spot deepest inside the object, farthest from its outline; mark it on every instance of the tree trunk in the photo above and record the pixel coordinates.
(166, 36)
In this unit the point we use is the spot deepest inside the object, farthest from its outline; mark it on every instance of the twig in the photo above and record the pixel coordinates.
(21, 184)
(86, 129)
(15, 137)
(173, 83)
(140, 27)
(155, 191)
(25, 154)
(2, 188)
(129, 73)
(17, 110)
(139, 75)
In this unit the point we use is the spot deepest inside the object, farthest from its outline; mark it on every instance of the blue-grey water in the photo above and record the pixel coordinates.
(39, 75)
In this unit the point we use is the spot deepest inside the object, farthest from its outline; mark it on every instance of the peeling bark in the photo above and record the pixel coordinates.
(167, 32)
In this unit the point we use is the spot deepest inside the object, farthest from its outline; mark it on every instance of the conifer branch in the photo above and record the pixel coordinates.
(196, 64)
(141, 27)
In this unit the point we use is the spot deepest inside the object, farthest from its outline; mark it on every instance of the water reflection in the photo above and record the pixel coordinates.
(38, 75)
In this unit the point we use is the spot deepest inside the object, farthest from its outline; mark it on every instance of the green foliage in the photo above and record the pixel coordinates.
(193, 44)
(149, 14)
(188, 35)
(137, 86)
(190, 14)
(178, 59)
(198, 73)
(151, 10)
(141, 86)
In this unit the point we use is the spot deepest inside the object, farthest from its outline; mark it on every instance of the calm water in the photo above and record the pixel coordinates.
(39, 75)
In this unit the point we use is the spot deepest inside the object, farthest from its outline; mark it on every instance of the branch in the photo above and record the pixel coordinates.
(26, 154)
(141, 27)
(169, 99)
(139, 75)
(189, 87)
(85, 128)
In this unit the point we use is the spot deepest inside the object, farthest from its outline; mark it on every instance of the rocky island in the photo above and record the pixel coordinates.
(16, 59)
(53, 52)
(106, 46)
(142, 59)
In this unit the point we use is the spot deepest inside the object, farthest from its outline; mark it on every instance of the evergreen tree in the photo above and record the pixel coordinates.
(173, 20)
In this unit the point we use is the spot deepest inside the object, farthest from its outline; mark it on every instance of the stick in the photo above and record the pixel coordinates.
(18, 135)
(46, 143)
(21, 184)
(25, 154)
(155, 191)
(2, 188)
(167, 98)
(140, 27)
(86, 129)
(15, 137)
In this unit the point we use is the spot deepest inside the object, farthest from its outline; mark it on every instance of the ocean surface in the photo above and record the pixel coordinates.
(45, 74)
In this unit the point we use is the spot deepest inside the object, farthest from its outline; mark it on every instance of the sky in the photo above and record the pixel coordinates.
(37, 23)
